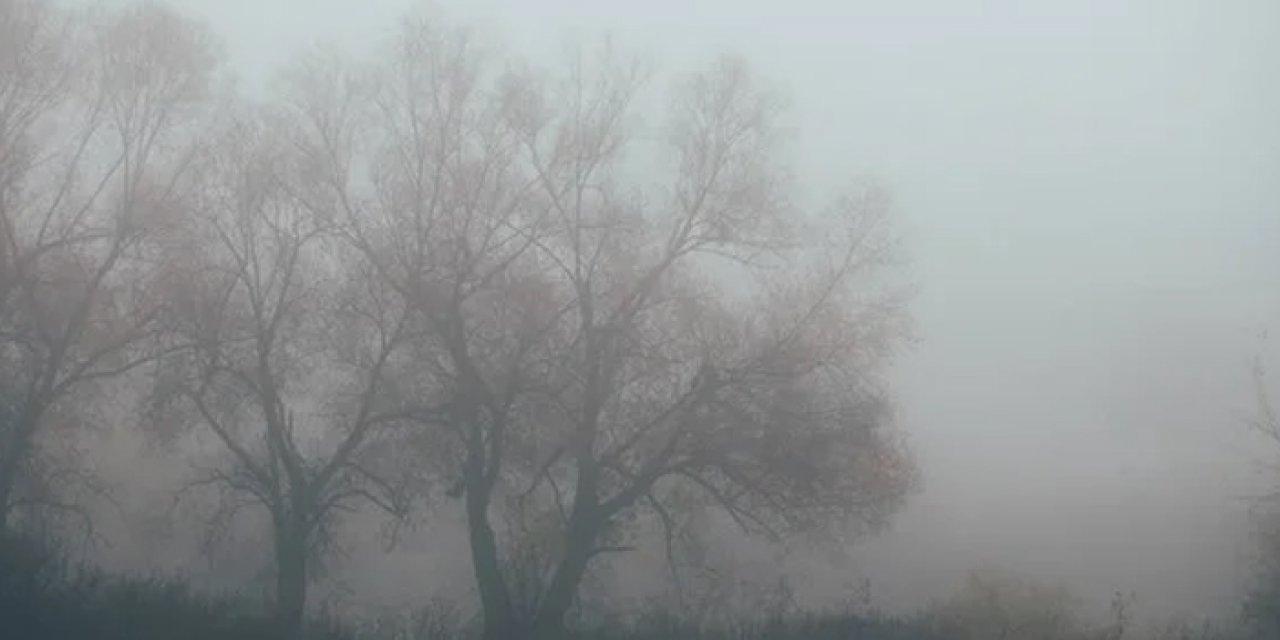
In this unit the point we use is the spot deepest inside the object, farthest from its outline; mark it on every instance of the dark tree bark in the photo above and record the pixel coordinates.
(549, 621)
(17, 443)
(495, 599)
(291, 549)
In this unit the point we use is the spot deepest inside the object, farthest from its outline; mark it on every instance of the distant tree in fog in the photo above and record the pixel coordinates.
(994, 604)
(98, 120)
(1261, 608)
(619, 328)
(285, 348)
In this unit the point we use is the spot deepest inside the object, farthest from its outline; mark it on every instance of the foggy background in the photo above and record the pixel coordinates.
(1089, 195)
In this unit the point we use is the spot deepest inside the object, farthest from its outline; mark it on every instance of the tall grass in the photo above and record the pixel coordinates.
(45, 597)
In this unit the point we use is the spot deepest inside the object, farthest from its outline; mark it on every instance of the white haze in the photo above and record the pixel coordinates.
(1090, 191)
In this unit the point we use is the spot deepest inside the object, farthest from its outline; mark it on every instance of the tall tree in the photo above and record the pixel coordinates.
(98, 120)
(285, 351)
(619, 327)
(708, 351)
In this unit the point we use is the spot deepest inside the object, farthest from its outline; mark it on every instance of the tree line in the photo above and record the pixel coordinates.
(442, 272)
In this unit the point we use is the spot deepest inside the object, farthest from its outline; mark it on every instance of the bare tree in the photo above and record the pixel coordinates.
(439, 209)
(289, 345)
(611, 335)
(97, 124)
(763, 403)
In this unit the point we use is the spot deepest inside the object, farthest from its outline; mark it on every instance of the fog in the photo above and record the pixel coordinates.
(1088, 197)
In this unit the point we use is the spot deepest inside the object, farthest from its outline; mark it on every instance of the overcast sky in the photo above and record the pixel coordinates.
(1090, 191)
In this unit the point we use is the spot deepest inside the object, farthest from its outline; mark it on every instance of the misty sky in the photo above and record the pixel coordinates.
(1090, 195)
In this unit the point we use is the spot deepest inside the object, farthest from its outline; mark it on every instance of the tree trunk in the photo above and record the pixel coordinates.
(8, 478)
(291, 580)
(11, 457)
(548, 623)
(584, 528)
(495, 601)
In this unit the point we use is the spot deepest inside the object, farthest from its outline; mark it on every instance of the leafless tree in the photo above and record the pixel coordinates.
(764, 402)
(288, 346)
(97, 124)
(617, 326)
